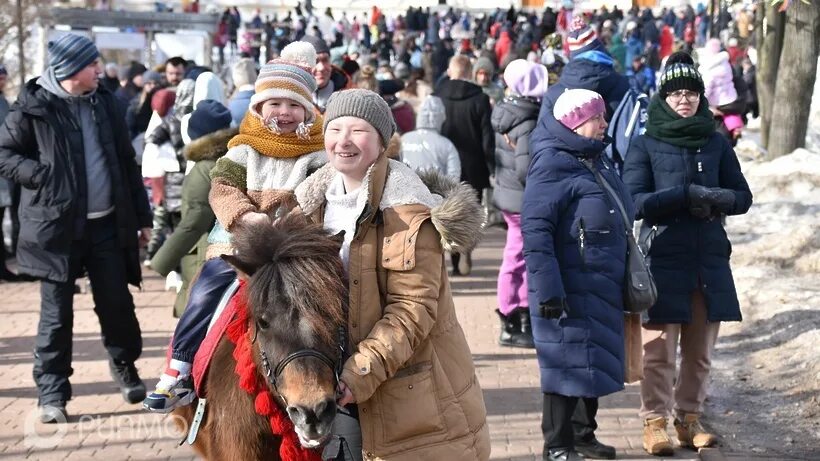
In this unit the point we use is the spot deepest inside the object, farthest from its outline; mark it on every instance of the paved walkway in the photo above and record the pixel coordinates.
(102, 426)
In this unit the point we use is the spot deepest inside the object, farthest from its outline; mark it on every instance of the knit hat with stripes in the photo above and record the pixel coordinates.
(582, 38)
(680, 76)
(289, 76)
(70, 54)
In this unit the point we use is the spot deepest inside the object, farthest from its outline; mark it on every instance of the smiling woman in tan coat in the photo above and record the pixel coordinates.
(409, 373)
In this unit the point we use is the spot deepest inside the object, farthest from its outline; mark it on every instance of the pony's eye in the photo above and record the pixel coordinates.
(262, 323)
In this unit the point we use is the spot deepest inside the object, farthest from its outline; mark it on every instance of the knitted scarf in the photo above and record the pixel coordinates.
(690, 132)
(252, 382)
(255, 134)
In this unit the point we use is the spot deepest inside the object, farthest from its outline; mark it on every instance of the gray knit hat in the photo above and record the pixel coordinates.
(70, 54)
(363, 104)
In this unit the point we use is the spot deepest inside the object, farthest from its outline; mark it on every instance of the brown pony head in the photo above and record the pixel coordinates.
(296, 293)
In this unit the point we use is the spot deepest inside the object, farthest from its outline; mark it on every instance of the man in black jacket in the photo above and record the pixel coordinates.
(82, 208)
(468, 127)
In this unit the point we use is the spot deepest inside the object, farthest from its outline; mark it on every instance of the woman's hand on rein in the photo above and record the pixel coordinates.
(345, 395)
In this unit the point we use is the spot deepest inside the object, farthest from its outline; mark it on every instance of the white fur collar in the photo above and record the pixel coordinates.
(402, 187)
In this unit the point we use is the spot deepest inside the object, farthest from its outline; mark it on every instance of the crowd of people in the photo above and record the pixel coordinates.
(521, 115)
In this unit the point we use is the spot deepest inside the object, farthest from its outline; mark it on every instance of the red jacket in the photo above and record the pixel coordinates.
(502, 46)
(667, 42)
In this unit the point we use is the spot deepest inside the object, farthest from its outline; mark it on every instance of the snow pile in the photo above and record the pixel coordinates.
(783, 227)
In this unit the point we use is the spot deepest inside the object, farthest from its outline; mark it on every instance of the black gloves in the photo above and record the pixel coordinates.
(700, 197)
(553, 308)
(723, 199)
(701, 212)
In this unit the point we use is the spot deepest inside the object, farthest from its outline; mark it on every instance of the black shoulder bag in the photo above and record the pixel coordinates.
(640, 292)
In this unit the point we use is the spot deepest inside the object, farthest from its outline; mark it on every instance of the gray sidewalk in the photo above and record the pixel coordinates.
(102, 426)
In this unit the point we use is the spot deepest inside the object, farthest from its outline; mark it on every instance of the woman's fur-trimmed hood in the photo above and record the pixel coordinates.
(454, 207)
(211, 146)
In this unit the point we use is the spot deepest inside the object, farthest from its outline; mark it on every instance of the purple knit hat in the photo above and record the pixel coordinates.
(574, 107)
(526, 78)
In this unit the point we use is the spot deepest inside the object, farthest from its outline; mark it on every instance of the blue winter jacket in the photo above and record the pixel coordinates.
(575, 249)
(238, 106)
(686, 252)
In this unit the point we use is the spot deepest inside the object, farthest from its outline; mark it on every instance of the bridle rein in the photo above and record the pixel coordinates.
(272, 373)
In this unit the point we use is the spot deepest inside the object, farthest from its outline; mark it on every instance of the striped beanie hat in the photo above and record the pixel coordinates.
(582, 38)
(289, 76)
(574, 107)
(70, 54)
(680, 76)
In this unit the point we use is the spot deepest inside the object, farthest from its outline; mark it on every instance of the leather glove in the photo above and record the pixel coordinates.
(553, 308)
(701, 211)
(722, 199)
(698, 195)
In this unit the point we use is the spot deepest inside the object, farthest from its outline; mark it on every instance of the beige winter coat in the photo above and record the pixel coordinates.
(411, 370)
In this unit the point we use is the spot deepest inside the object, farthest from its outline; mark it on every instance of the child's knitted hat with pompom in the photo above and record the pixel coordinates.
(289, 76)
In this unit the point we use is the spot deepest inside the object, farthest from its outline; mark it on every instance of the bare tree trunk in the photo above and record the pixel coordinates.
(795, 78)
(769, 30)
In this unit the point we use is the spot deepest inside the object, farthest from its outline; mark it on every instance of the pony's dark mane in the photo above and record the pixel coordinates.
(296, 260)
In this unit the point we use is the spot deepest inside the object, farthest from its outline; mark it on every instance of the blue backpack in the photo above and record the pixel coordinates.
(627, 123)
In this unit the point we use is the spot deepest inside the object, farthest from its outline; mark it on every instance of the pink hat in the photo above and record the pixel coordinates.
(732, 122)
(526, 78)
(574, 107)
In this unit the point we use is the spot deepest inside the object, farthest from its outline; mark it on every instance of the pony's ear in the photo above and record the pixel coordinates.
(339, 239)
(243, 270)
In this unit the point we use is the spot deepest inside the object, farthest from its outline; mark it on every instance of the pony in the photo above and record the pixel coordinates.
(295, 293)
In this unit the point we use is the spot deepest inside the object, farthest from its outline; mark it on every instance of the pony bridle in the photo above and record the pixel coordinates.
(272, 373)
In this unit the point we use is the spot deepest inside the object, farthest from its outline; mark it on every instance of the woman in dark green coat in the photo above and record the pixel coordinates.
(185, 249)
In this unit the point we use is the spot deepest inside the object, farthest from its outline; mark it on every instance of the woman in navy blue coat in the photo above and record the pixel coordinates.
(575, 249)
(684, 177)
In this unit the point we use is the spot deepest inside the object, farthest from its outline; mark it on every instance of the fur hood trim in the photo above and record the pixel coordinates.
(211, 146)
(454, 208)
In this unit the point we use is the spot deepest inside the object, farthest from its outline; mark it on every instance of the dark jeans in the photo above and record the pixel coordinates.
(214, 278)
(100, 254)
(567, 419)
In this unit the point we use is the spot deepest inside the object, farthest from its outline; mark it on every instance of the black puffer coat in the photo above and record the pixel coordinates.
(513, 120)
(35, 152)
(686, 252)
(468, 127)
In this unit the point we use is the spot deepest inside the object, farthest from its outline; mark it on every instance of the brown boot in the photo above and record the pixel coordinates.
(655, 439)
(691, 433)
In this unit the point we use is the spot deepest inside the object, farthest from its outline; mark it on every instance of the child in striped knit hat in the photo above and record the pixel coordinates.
(279, 142)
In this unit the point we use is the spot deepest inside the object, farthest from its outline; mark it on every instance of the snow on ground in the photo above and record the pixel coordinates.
(765, 393)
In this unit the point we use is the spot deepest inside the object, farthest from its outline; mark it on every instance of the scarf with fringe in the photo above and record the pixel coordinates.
(254, 133)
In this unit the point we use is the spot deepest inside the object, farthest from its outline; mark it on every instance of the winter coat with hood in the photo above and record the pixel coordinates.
(686, 252)
(513, 120)
(425, 148)
(575, 249)
(468, 127)
(187, 246)
(42, 149)
(718, 78)
(592, 70)
(411, 370)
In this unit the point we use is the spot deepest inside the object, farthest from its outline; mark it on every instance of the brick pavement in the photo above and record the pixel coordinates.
(102, 426)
